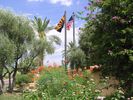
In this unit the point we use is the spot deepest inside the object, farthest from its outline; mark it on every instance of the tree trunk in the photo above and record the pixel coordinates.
(10, 83)
(1, 77)
(14, 79)
(1, 86)
(2, 83)
(1, 90)
(41, 59)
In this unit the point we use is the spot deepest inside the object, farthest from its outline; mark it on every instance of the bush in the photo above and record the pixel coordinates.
(55, 84)
(23, 78)
(118, 95)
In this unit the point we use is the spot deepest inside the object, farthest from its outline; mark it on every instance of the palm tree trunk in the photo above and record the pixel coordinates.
(41, 59)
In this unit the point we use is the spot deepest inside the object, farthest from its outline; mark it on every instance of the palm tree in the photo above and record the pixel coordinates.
(41, 26)
(47, 43)
(75, 56)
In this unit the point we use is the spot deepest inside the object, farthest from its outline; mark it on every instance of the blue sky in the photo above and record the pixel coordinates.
(53, 10)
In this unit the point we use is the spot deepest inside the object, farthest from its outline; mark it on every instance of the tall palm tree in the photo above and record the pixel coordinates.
(41, 26)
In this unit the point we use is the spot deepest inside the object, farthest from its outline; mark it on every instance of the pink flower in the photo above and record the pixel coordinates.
(89, 3)
(87, 14)
(98, 1)
(80, 28)
(85, 7)
(96, 66)
(115, 18)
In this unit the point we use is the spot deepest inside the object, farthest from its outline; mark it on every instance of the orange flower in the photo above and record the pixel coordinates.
(33, 79)
(74, 71)
(40, 68)
(34, 71)
(80, 74)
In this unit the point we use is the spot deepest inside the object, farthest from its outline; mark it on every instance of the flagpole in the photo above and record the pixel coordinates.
(74, 28)
(65, 43)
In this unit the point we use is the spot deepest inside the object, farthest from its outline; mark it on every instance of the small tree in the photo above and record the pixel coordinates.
(75, 56)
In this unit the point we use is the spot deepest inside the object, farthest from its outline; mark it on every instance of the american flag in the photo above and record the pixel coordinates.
(69, 23)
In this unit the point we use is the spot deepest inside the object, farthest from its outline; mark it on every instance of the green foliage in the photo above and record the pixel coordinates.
(47, 42)
(23, 78)
(41, 26)
(11, 97)
(118, 95)
(7, 50)
(17, 33)
(31, 96)
(109, 33)
(75, 56)
(54, 84)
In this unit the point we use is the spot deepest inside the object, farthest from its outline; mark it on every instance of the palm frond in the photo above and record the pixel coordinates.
(39, 23)
(45, 23)
(55, 39)
(50, 48)
(49, 28)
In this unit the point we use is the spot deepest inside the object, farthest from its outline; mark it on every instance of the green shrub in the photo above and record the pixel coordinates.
(118, 95)
(54, 84)
(22, 78)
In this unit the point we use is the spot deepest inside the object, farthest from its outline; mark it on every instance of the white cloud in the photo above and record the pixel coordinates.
(27, 14)
(35, 0)
(57, 56)
(62, 2)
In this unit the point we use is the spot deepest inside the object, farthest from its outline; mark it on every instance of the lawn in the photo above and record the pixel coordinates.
(11, 97)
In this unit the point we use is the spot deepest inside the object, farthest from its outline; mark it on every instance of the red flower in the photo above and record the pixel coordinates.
(34, 71)
(40, 68)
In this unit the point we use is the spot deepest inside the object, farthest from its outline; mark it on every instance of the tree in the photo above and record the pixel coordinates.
(75, 56)
(7, 53)
(20, 34)
(85, 45)
(109, 29)
(41, 26)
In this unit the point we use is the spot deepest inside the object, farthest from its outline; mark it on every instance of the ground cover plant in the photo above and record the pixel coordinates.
(56, 84)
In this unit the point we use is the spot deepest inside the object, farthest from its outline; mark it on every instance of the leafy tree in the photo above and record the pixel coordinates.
(85, 45)
(41, 26)
(20, 33)
(7, 52)
(109, 31)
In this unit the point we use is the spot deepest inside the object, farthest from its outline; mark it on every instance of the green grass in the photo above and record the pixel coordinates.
(10, 97)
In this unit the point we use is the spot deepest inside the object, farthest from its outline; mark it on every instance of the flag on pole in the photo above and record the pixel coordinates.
(60, 24)
(69, 23)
